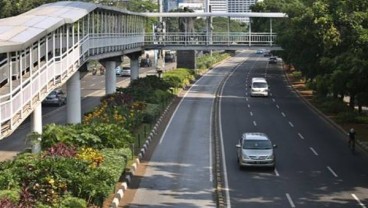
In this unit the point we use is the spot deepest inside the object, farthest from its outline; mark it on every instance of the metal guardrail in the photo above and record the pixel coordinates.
(211, 39)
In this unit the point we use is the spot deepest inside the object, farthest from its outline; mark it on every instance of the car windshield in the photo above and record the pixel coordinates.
(259, 85)
(257, 144)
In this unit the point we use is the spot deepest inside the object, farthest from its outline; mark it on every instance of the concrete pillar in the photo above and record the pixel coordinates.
(134, 64)
(186, 59)
(110, 76)
(73, 101)
(36, 126)
(134, 67)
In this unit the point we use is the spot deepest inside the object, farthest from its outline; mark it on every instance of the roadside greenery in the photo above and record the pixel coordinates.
(80, 164)
(327, 41)
(207, 61)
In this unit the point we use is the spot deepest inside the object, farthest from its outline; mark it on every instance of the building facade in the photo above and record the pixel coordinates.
(231, 6)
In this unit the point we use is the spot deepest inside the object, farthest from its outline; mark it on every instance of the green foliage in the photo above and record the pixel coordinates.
(112, 157)
(151, 113)
(96, 135)
(71, 201)
(206, 61)
(330, 105)
(297, 75)
(351, 117)
(12, 195)
(179, 78)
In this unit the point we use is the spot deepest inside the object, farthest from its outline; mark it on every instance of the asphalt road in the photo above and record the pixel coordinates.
(314, 166)
(179, 173)
(92, 88)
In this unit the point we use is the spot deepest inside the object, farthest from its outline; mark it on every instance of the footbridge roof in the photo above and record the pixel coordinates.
(18, 32)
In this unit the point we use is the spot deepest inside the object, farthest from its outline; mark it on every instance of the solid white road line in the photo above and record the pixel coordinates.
(357, 199)
(283, 114)
(300, 135)
(290, 200)
(333, 172)
(314, 151)
(254, 123)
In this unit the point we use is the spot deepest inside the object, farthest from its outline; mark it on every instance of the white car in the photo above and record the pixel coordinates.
(255, 149)
(122, 71)
(259, 87)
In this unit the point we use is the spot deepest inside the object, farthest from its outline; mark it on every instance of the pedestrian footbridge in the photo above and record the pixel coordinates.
(51, 45)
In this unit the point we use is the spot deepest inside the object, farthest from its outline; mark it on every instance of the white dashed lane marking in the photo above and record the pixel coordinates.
(290, 200)
(314, 151)
(248, 105)
(333, 172)
(283, 114)
(300, 135)
(291, 124)
(358, 200)
(254, 123)
(251, 113)
(277, 106)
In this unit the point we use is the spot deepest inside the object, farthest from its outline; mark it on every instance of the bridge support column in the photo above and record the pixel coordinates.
(110, 75)
(134, 64)
(73, 107)
(36, 126)
(186, 59)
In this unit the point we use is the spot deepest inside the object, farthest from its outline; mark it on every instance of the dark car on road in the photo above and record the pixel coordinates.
(56, 97)
(169, 56)
(272, 60)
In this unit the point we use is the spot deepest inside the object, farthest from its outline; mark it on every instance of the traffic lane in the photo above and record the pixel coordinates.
(297, 154)
(249, 187)
(330, 146)
(237, 118)
(322, 132)
(179, 173)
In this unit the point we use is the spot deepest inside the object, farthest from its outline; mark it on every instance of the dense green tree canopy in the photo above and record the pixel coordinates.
(327, 40)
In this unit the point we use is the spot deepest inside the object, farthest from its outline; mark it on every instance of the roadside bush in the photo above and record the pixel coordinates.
(297, 75)
(352, 117)
(347, 117)
(9, 196)
(71, 201)
(160, 96)
(96, 135)
(151, 113)
(179, 78)
(115, 161)
(330, 105)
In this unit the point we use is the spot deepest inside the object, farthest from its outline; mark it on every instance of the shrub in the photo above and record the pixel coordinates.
(7, 196)
(297, 75)
(151, 113)
(352, 117)
(330, 105)
(115, 161)
(71, 201)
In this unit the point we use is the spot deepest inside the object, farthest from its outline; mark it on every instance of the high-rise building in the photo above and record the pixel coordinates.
(218, 5)
(231, 6)
(240, 6)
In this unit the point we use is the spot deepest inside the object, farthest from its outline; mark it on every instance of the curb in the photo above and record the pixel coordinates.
(125, 184)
